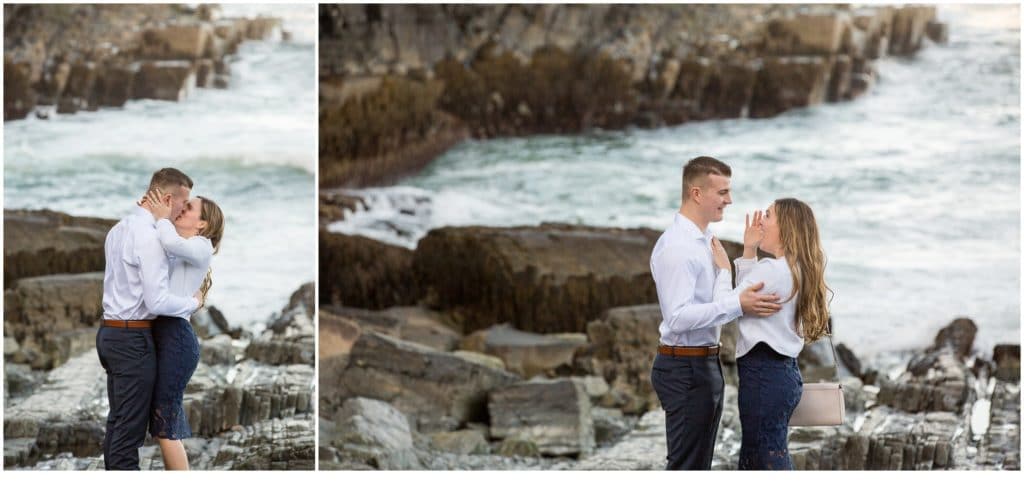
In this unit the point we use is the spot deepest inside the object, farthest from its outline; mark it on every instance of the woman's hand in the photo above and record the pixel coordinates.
(753, 232)
(155, 201)
(721, 258)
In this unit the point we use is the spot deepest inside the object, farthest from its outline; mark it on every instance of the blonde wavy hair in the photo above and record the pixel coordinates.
(798, 234)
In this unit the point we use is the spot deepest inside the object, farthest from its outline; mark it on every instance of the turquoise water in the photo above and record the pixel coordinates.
(251, 148)
(916, 186)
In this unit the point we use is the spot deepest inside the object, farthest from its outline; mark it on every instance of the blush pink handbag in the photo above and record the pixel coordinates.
(821, 404)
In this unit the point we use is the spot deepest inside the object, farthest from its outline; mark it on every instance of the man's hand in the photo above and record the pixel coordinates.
(753, 303)
(158, 204)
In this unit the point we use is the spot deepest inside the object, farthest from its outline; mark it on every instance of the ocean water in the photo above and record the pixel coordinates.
(251, 148)
(915, 186)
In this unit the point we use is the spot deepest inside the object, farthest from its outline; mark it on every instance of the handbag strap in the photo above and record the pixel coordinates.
(835, 358)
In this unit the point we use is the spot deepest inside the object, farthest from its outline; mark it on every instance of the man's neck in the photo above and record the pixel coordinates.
(692, 215)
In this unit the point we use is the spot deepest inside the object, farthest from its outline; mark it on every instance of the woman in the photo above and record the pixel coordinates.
(190, 243)
(770, 384)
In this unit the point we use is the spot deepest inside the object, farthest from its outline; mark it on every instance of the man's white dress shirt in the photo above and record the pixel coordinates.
(189, 258)
(686, 280)
(135, 278)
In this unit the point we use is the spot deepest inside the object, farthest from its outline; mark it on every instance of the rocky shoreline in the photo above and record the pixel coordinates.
(250, 402)
(70, 58)
(459, 371)
(401, 84)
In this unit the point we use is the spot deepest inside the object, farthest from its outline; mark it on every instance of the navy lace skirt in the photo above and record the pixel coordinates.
(769, 391)
(177, 355)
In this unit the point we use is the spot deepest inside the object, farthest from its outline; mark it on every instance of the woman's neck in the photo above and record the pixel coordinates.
(186, 232)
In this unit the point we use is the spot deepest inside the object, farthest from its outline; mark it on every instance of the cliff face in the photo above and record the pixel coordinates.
(83, 57)
(401, 83)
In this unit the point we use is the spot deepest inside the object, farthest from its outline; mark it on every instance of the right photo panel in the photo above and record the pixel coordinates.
(649, 237)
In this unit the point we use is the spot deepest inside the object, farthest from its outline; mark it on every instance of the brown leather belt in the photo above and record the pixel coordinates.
(677, 351)
(107, 322)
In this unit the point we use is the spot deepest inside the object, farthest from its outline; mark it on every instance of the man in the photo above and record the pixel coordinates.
(135, 290)
(686, 374)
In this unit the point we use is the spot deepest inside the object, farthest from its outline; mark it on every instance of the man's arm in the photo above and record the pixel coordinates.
(678, 279)
(154, 274)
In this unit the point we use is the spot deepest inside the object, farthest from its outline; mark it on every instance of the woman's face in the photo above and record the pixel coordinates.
(188, 223)
(770, 225)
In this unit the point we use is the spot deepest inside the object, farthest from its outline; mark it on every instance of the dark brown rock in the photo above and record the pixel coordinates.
(1007, 360)
(623, 343)
(164, 80)
(362, 272)
(957, 336)
(937, 31)
(788, 83)
(176, 42)
(45, 242)
(115, 86)
(19, 97)
(551, 278)
(908, 28)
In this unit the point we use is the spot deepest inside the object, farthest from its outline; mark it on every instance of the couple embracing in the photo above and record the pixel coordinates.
(780, 304)
(156, 275)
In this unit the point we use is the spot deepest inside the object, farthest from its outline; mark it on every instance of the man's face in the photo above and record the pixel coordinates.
(178, 199)
(714, 197)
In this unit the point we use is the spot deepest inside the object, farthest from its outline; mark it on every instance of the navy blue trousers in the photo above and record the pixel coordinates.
(770, 388)
(690, 391)
(129, 358)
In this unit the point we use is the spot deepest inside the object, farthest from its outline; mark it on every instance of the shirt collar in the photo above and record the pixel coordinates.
(145, 215)
(690, 228)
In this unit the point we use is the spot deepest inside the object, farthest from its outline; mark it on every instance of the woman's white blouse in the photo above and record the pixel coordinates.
(776, 330)
(189, 259)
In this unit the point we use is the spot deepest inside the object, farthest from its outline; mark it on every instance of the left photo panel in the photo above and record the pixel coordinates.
(159, 237)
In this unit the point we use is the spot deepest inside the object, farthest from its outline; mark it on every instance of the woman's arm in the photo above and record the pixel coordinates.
(196, 250)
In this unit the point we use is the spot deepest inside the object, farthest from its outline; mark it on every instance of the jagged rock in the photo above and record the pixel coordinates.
(53, 317)
(204, 73)
(291, 335)
(609, 425)
(933, 382)
(38, 243)
(1000, 448)
(249, 392)
(364, 273)
(937, 31)
(209, 322)
(524, 353)
(807, 34)
(517, 447)
(262, 28)
(958, 336)
(277, 444)
(164, 80)
(115, 86)
(20, 380)
(554, 414)
(375, 433)
(174, 42)
(436, 390)
(460, 442)
(19, 97)
(908, 28)
(789, 82)
(840, 79)
(1007, 359)
(336, 334)
(219, 350)
(849, 360)
(623, 343)
(64, 415)
(551, 278)
(413, 324)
